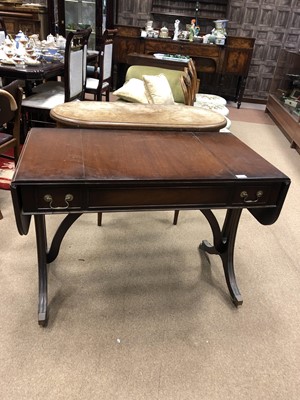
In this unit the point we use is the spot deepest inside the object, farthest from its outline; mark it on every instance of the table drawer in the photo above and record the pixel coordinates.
(158, 197)
(246, 195)
(54, 199)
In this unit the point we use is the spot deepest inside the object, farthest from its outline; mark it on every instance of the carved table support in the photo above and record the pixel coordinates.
(224, 247)
(46, 257)
(41, 242)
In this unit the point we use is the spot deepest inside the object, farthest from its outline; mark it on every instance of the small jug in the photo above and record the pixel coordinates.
(50, 39)
(61, 42)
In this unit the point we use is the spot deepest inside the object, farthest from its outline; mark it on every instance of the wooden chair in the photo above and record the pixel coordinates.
(100, 83)
(36, 108)
(194, 79)
(10, 111)
(187, 87)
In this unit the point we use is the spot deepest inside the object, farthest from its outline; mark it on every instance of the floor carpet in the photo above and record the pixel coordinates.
(138, 313)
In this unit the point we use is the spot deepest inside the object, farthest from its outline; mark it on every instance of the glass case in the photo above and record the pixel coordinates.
(82, 14)
(69, 15)
(284, 98)
(285, 85)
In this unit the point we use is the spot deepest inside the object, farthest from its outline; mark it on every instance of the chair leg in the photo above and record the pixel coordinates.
(25, 125)
(175, 219)
(16, 153)
(99, 222)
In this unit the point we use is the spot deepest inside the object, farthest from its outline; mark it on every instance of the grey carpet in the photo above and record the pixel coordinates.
(137, 313)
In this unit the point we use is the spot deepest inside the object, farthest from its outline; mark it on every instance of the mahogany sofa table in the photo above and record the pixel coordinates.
(85, 170)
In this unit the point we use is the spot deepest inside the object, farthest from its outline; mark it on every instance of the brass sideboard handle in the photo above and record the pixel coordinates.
(68, 197)
(244, 196)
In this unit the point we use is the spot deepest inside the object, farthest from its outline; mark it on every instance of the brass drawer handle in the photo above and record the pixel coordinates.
(68, 197)
(244, 196)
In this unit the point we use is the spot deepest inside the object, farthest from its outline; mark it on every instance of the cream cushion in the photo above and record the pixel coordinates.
(158, 89)
(173, 76)
(132, 91)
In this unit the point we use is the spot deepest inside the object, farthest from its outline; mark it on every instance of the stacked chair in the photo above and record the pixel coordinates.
(36, 108)
(99, 79)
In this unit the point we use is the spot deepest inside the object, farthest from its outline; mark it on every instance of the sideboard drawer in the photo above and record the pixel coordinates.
(184, 48)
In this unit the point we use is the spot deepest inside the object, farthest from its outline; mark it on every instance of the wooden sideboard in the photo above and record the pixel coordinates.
(29, 19)
(222, 70)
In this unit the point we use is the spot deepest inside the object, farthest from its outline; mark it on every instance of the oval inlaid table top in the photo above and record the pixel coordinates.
(124, 115)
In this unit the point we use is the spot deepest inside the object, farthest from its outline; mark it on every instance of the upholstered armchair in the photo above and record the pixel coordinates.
(133, 90)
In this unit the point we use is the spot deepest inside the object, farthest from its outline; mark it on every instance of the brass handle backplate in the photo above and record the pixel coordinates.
(244, 195)
(68, 197)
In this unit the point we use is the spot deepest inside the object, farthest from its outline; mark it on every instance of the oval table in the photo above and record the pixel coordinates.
(124, 115)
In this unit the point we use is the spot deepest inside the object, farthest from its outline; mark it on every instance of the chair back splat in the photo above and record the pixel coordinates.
(100, 83)
(75, 64)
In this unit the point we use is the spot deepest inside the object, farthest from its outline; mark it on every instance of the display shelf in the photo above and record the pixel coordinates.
(284, 98)
(190, 16)
(205, 12)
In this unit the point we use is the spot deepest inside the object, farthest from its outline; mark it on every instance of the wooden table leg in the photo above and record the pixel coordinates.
(224, 246)
(41, 242)
(63, 228)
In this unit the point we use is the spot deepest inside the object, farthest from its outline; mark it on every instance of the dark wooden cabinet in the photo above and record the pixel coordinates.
(30, 19)
(222, 70)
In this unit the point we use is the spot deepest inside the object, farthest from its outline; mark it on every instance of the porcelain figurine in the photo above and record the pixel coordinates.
(176, 30)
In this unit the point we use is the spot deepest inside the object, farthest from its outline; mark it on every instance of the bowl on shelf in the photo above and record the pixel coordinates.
(83, 26)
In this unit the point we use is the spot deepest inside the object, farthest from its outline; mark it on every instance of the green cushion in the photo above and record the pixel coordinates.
(173, 76)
